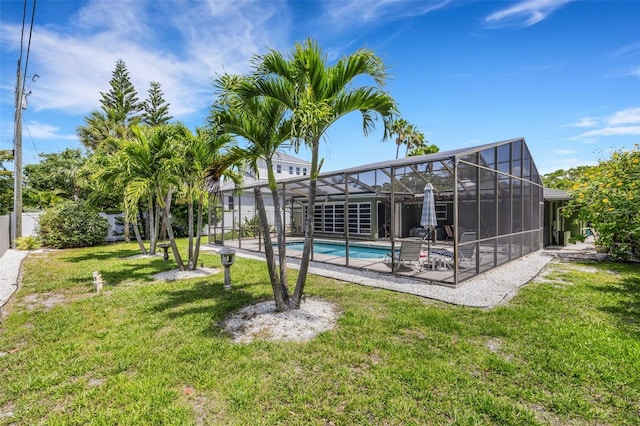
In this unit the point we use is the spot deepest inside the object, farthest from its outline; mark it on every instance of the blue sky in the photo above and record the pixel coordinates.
(565, 75)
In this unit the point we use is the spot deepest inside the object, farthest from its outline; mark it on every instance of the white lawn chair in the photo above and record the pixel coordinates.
(409, 256)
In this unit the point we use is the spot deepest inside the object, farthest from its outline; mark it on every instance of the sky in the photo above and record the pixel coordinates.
(563, 74)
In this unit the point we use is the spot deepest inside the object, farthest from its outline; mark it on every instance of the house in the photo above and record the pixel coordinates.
(238, 208)
(492, 194)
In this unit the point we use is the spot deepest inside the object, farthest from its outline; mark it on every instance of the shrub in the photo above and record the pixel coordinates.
(72, 224)
(27, 243)
(607, 196)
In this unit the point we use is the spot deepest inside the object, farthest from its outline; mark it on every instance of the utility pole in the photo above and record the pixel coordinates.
(17, 162)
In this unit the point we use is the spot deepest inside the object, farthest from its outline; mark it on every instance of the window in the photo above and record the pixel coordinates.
(304, 171)
(359, 218)
(230, 201)
(297, 170)
(279, 168)
(290, 170)
(329, 218)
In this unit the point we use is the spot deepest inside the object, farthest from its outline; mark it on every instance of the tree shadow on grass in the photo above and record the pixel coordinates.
(101, 254)
(142, 270)
(628, 308)
(207, 298)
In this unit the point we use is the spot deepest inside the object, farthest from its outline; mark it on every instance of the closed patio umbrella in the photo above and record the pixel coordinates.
(428, 219)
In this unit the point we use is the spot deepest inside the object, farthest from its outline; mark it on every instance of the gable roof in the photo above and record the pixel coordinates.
(552, 194)
(286, 158)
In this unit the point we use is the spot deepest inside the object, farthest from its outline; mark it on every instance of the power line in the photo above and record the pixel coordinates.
(26, 62)
(31, 138)
(24, 16)
(17, 153)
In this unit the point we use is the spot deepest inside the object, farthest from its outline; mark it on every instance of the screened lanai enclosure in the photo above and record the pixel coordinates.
(488, 206)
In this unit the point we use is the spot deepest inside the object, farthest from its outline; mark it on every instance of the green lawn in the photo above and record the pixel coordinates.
(566, 350)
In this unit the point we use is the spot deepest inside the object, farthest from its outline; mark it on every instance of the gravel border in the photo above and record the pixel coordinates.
(10, 263)
(487, 290)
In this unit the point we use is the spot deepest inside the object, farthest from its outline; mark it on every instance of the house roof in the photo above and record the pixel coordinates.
(286, 158)
(359, 179)
(551, 194)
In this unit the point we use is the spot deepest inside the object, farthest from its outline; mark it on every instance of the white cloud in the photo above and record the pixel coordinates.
(619, 124)
(627, 116)
(36, 130)
(584, 122)
(611, 131)
(627, 49)
(183, 54)
(564, 151)
(525, 13)
(356, 12)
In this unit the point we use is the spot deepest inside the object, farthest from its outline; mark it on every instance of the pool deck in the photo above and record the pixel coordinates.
(486, 290)
(440, 274)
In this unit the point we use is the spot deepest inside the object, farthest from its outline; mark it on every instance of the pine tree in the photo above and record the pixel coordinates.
(156, 109)
(120, 110)
(122, 100)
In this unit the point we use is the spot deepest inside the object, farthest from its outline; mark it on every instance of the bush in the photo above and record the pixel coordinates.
(607, 196)
(72, 224)
(27, 243)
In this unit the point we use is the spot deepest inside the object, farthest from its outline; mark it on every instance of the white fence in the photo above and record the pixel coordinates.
(29, 226)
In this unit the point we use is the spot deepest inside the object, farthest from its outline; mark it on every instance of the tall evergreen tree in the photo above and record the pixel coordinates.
(155, 109)
(122, 99)
(120, 109)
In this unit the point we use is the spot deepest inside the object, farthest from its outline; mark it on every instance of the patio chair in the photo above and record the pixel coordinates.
(449, 231)
(409, 256)
(466, 253)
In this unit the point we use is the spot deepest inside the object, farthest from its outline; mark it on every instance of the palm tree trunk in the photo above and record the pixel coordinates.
(126, 221)
(308, 237)
(157, 222)
(196, 249)
(268, 251)
(190, 264)
(282, 249)
(152, 226)
(143, 222)
(136, 232)
(172, 240)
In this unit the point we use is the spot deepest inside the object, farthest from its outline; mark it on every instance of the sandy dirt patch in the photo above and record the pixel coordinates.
(143, 256)
(182, 275)
(261, 321)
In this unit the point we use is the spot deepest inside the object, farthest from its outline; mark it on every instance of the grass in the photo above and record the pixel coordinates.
(566, 350)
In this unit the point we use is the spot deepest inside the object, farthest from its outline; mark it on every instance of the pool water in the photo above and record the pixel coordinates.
(338, 250)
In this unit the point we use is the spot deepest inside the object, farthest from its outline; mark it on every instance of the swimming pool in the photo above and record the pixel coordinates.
(338, 249)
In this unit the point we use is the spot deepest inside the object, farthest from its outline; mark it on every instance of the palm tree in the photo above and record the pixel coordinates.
(145, 166)
(317, 95)
(205, 150)
(406, 134)
(423, 150)
(262, 122)
(414, 140)
(106, 173)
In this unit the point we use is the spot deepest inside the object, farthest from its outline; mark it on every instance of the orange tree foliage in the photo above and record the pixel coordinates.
(608, 196)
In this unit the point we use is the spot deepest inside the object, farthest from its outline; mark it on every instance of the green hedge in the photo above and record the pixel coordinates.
(72, 224)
